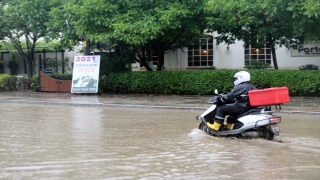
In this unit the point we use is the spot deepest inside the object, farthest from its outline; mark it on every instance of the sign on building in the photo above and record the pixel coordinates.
(85, 76)
(306, 50)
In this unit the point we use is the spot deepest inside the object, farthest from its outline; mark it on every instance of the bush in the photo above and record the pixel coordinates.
(35, 83)
(7, 82)
(257, 65)
(61, 76)
(57, 66)
(203, 82)
(23, 83)
(309, 67)
(121, 63)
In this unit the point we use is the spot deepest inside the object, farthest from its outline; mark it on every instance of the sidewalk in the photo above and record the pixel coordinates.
(310, 105)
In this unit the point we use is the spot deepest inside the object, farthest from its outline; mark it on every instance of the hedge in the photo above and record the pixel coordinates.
(197, 82)
(7, 82)
(203, 82)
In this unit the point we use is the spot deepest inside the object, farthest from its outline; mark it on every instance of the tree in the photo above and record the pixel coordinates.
(144, 26)
(311, 8)
(23, 24)
(256, 22)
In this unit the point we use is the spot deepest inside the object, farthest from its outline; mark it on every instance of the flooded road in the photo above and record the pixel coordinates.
(63, 142)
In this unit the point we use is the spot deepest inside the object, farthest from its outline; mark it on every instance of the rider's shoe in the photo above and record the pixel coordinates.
(229, 126)
(215, 126)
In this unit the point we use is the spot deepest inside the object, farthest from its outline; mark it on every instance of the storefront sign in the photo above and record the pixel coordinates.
(85, 75)
(306, 50)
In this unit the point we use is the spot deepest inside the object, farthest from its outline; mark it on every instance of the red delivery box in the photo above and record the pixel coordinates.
(269, 96)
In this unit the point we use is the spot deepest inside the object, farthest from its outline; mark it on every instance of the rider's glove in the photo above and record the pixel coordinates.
(222, 97)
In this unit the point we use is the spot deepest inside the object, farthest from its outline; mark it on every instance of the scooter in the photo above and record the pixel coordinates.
(258, 122)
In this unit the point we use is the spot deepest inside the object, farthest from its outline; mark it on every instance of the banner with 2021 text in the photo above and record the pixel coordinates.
(85, 76)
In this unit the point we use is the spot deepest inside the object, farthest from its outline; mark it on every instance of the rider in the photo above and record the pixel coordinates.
(238, 99)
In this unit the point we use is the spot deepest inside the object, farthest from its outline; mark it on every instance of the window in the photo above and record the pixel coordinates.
(154, 59)
(257, 54)
(201, 55)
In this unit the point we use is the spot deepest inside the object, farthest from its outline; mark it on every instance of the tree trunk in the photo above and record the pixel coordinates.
(143, 60)
(160, 61)
(273, 51)
(30, 64)
(274, 57)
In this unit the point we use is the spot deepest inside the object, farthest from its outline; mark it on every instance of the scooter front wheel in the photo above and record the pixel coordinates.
(203, 127)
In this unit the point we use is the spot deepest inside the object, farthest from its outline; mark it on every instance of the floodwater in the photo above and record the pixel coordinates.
(63, 142)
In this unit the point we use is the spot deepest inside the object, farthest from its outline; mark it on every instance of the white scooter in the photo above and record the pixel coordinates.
(258, 122)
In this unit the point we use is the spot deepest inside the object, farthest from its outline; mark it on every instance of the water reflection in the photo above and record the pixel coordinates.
(59, 142)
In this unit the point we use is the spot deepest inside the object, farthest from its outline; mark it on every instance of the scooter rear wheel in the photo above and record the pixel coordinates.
(266, 134)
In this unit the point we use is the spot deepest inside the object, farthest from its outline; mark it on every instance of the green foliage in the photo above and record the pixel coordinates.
(203, 82)
(35, 83)
(7, 82)
(157, 25)
(23, 25)
(13, 65)
(57, 66)
(309, 67)
(23, 83)
(61, 76)
(209, 68)
(258, 22)
(257, 65)
(118, 64)
(311, 8)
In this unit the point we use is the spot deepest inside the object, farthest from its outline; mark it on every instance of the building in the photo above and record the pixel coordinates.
(207, 55)
(235, 56)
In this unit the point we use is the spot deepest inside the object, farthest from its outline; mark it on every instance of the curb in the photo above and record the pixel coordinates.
(130, 106)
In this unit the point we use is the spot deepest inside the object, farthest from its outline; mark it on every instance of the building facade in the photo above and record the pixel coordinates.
(207, 55)
(236, 55)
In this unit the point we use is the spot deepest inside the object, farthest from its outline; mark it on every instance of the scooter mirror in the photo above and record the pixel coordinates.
(216, 91)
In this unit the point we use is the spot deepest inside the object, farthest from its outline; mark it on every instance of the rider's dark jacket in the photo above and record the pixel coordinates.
(238, 95)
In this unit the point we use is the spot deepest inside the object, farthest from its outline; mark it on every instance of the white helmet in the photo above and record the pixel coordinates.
(240, 77)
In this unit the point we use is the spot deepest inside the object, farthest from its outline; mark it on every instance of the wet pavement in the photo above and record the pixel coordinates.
(310, 105)
(82, 142)
(70, 136)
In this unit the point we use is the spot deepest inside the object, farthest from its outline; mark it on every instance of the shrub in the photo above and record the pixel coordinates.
(57, 66)
(7, 82)
(201, 82)
(257, 65)
(23, 83)
(121, 63)
(61, 76)
(34, 83)
(309, 67)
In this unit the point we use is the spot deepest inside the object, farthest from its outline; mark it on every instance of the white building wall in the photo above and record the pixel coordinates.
(177, 60)
(286, 61)
(234, 58)
(229, 59)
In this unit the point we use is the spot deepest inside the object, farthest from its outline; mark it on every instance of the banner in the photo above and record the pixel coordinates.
(85, 76)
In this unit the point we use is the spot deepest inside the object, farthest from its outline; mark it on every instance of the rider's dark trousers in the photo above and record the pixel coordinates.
(228, 109)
